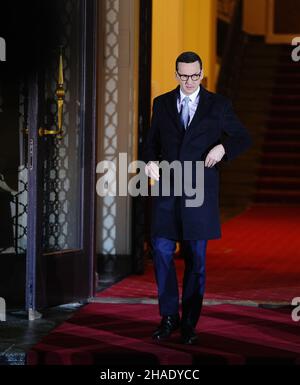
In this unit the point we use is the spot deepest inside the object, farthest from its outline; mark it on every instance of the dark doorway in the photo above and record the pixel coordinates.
(48, 130)
(141, 206)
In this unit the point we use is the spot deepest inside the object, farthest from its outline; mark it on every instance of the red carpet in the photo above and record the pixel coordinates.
(107, 334)
(256, 259)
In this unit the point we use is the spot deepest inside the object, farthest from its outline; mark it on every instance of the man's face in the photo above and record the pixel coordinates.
(188, 86)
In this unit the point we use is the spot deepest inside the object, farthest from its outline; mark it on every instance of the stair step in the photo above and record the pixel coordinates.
(280, 179)
(285, 97)
(266, 93)
(268, 98)
(280, 146)
(278, 161)
(281, 135)
(278, 193)
(284, 143)
(289, 78)
(291, 100)
(277, 196)
(249, 107)
(283, 168)
(267, 57)
(263, 50)
(291, 67)
(293, 88)
(281, 128)
(270, 82)
(283, 158)
(281, 123)
(279, 183)
(262, 74)
(284, 120)
(283, 155)
(285, 109)
(280, 131)
(285, 112)
(283, 131)
(270, 51)
(271, 59)
(278, 170)
(287, 134)
(274, 64)
(289, 193)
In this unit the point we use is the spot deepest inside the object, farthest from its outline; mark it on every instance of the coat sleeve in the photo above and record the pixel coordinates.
(235, 137)
(151, 148)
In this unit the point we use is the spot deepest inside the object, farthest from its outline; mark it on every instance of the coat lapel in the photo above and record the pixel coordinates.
(202, 109)
(171, 104)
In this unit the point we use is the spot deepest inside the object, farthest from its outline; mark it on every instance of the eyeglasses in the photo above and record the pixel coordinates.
(185, 78)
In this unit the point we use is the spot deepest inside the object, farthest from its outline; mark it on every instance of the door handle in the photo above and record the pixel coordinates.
(60, 97)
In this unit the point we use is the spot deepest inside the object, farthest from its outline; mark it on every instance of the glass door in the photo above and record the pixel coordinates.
(61, 155)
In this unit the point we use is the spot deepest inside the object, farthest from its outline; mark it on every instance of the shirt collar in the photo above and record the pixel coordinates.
(192, 97)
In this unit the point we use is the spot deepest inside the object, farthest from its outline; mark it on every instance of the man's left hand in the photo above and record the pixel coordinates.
(214, 156)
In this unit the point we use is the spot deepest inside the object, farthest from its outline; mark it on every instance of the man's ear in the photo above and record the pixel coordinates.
(202, 74)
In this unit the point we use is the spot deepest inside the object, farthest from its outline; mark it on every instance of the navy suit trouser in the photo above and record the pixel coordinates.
(194, 253)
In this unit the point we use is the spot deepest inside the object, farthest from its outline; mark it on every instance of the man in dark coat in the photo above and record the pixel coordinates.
(189, 125)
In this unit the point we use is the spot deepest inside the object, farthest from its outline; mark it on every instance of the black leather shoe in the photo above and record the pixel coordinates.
(191, 310)
(188, 335)
(167, 325)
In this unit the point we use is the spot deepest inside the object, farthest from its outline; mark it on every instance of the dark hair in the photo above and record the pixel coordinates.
(188, 57)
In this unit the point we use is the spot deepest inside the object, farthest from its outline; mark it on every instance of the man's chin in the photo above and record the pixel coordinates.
(189, 90)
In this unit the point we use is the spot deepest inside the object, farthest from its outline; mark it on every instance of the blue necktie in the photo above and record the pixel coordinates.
(185, 112)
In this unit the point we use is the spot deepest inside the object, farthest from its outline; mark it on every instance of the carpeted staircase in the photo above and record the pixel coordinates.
(279, 172)
(267, 100)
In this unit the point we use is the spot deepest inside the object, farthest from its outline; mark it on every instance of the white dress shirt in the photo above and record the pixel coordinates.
(193, 102)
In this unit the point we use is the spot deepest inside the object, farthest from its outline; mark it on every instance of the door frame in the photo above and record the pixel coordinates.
(272, 37)
(88, 132)
(141, 207)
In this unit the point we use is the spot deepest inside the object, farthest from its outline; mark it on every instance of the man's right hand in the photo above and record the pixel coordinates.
(152, 170)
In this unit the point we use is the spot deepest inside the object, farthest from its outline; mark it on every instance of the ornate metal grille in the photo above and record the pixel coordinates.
(110, 150)
(61, 220)
(19, 197)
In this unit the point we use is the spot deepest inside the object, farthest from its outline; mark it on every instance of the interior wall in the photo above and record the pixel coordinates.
(182, 25)
(117, 115)
(255, 17)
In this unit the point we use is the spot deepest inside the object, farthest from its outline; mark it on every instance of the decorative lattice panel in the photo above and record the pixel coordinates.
(62, 171)
(19, 198)
(110, 151)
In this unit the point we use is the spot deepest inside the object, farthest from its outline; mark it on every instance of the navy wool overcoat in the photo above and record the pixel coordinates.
(214, 122)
